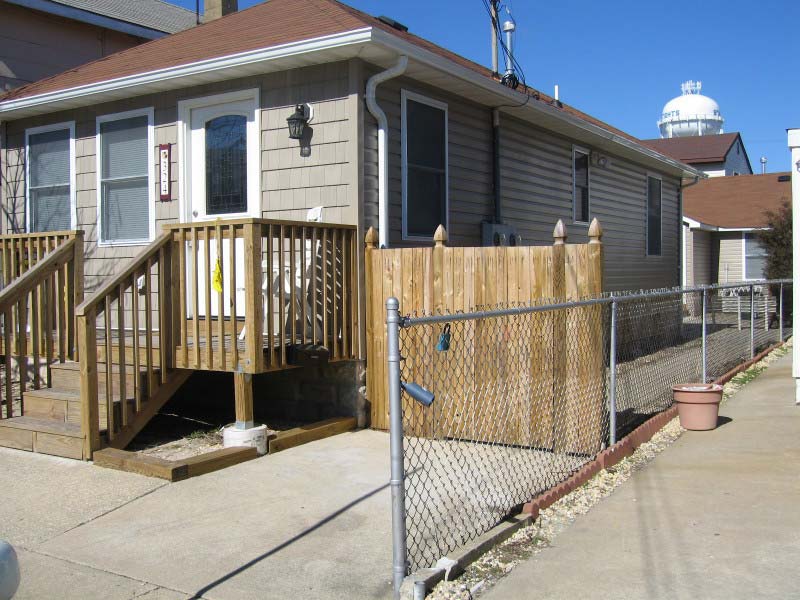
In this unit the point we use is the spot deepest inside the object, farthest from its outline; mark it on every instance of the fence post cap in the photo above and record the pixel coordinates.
(595, 232)
(440, 237)
(371, 239)
(559, 233)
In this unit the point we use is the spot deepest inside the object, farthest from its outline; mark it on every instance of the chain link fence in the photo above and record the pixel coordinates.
(498, 406)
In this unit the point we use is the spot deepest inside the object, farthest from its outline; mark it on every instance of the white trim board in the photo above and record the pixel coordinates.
(70, 125)
(405, 96)
(184, 125)
(151, 181)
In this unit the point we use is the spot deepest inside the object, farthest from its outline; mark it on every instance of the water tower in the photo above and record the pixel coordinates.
(690, 114)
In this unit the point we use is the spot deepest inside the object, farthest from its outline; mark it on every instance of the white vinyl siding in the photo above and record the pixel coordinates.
(51, 173)
(754, 256)
(425, 182)
(125, 183)
(654, 197)
(580, 185)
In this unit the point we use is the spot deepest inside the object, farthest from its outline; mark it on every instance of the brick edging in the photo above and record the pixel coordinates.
(623, 448)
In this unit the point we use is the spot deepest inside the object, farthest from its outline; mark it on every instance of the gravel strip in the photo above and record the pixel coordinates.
(496, 563)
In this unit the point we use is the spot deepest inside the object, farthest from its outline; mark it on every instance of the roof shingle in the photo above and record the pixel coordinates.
(695, 149)
(736, 202)
(264, 25)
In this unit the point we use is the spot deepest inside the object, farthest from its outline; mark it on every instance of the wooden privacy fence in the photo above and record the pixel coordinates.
(442, 280)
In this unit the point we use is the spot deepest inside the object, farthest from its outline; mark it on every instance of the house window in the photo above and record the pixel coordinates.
(653, 216)
(424, 142)
(125, 185)
(580, 185)
(50, 176)
(755, 257)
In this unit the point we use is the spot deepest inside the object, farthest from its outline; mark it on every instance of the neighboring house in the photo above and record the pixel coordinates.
(237, 79)
(39, 38)
(715, 155)
(722, 217)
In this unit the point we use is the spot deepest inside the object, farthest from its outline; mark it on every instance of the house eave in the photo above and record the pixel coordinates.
(91, 18)
(373, 45)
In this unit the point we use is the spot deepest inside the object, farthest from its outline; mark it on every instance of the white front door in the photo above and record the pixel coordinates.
(221, 183)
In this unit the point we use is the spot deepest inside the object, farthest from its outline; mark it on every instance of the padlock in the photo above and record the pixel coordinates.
(444, 339)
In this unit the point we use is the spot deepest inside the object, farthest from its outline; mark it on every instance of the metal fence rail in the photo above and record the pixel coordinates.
(491, 408)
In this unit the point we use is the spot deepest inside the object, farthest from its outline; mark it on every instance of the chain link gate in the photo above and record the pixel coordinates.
(490, 409)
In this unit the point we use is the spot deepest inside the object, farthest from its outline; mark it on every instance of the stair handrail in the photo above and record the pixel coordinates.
(98, 303)
(58, 276)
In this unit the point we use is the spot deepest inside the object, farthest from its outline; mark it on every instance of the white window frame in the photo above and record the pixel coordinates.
(647, 217)
(151, 189)
(254, 199)
(73, 209)
(405, 96)
(588, 154)
(745, 233)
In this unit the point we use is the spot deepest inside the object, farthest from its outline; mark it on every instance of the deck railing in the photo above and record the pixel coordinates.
(226, 295)
(38, 309)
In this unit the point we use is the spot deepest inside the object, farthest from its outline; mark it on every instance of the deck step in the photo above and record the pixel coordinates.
(65, 405)
(45, 436)
(67, 376)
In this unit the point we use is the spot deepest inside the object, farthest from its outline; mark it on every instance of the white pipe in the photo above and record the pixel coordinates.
(794, 145)
(383, 138)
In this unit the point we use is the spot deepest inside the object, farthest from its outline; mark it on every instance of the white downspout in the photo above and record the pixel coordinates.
(383, 138)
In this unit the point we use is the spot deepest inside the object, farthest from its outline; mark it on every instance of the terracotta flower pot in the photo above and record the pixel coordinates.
(698, 405)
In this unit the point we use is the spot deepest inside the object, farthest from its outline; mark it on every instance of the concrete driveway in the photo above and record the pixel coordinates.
(310, 522)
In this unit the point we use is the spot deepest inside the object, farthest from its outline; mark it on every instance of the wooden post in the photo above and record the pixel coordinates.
(373, 368)
(87, 350)
(439, 239)
(254, 311)
(74, 293)
(561, 417)
(243, 396)
(595, 258)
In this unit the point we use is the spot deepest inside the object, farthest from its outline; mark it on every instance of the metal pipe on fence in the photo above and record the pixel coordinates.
(780, 315)
(752, 321)
(705, 357)
(397, 482)
(612, 391)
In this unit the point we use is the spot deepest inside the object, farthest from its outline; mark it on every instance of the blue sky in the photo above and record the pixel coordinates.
(622, 60)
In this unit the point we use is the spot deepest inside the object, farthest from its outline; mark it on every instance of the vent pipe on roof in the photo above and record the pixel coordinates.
(214, 9)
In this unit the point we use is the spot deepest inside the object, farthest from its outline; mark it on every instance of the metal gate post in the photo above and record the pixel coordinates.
(397, 482)
(780, 315)
(705, 360)
(612, 392)
(752, 321)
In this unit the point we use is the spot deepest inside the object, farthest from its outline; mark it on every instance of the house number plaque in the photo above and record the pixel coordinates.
(164, 168)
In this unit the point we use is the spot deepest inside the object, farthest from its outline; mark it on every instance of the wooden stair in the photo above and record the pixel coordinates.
(51, 417)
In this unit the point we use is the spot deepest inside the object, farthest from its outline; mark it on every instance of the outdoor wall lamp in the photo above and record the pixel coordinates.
(418, 393)
(302, 116)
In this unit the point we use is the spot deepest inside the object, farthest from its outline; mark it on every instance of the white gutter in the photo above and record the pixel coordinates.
(383, 153)
(357, 36)
(512, 97)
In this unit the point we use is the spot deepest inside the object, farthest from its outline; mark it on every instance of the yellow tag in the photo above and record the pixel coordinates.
(216, 278)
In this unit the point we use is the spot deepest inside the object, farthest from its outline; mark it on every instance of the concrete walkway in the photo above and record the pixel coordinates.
(310, 522)
(717, 515)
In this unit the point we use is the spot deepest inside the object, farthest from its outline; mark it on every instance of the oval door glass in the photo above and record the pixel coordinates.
(226, 165)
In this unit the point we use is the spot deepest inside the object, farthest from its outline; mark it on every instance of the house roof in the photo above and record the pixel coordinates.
(155, 15)
(694, 150)
(736, 202)
(260, 32)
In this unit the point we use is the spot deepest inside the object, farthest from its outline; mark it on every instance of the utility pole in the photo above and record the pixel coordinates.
(495, 9)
